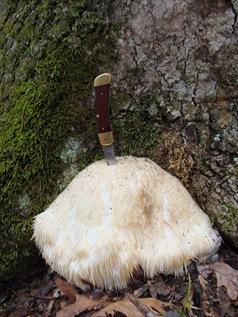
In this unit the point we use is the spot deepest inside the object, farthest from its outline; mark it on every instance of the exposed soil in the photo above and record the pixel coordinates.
(213, 292)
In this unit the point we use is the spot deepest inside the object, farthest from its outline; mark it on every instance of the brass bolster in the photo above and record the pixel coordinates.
(106, 138)
(103, 79)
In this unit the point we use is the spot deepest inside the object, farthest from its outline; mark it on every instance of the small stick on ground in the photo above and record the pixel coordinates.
(46, 297)
(143, 308)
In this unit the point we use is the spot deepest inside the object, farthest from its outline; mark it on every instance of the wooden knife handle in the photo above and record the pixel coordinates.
(101, 108)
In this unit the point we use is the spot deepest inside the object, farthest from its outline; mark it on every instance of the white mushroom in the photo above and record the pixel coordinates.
(112, 219)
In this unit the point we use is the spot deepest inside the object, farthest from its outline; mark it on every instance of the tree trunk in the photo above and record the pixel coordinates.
(179, 61)
(173, 99)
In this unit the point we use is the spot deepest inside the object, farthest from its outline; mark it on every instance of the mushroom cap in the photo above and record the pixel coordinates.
(112, 219)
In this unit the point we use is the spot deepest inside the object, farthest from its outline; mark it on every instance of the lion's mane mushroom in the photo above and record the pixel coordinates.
(112, 219)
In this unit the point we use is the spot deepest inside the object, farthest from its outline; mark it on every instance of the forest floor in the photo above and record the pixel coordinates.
(208, 290)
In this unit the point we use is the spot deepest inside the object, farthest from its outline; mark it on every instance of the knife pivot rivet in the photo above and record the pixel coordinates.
(97, 116)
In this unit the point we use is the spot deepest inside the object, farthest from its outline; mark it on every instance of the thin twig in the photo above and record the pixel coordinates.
(143, 308)
(46, 297)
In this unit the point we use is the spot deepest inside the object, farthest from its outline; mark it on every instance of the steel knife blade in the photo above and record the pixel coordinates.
(101, 109)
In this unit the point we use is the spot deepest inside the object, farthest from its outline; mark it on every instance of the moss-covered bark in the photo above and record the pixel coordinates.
(50, 53)
(2, 6)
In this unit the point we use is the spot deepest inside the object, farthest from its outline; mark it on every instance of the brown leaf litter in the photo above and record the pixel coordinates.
(213, 292)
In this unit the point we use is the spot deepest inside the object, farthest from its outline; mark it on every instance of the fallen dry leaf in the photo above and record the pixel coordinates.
(204, 270)
(227, 277)
(48, 309)
(81, 304)
(20, 312)
(225, 302)
(68, 289)
(212, 313)
(159, 288)
(126, 307)
(141, 291)
(202, 281)
(45, 287)
(227, 287)
(142, 307)
(156, 304)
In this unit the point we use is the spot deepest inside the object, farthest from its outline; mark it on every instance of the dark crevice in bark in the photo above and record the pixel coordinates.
(195, 90)
(235, 16)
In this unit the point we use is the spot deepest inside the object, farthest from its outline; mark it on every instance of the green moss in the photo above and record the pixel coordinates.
(50, 53)
(229, 220)
(2, 6)
(136, 130)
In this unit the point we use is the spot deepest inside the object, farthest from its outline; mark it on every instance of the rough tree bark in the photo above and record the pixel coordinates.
(174, 99)
(182, 56)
